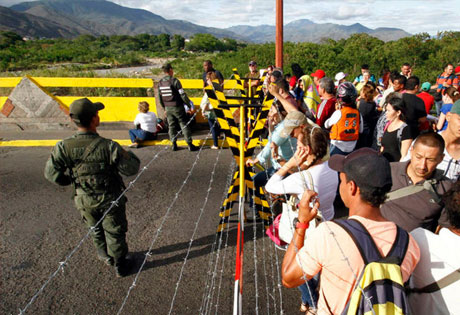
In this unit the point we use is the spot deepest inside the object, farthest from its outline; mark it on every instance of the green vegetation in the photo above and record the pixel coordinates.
(427, 55)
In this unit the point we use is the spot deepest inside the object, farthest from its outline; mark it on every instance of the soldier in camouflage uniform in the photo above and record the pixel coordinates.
(93, 164)
(172, 98)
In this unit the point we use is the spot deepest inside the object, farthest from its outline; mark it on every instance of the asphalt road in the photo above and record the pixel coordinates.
(40, 228)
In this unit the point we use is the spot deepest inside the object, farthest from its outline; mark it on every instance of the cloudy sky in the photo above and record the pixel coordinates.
(413, 16)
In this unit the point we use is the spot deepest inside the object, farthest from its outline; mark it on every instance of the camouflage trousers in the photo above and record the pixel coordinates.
(177, 119)
(110, 234)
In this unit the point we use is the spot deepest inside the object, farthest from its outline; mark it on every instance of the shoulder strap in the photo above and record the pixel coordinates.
(404, 191)
(399, 133)
(399, 249)
(90, 148)
(362, 239)
(438, 285)
(310, 180)
(413, 189)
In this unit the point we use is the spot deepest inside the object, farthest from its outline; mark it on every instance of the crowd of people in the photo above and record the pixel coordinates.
(387, 148)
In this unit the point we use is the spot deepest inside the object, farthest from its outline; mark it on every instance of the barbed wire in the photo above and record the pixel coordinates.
(271, 256)
(64, 263)
(148, 254)
(254, 229)
(221, 271)
(196, 226)
(345, 258)
(213, 271)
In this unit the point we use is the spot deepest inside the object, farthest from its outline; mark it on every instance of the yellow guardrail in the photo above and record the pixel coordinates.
(116, 108)
(9, 82)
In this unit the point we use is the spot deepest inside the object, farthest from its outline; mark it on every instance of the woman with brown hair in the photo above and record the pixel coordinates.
(314, 174)
(146, 126)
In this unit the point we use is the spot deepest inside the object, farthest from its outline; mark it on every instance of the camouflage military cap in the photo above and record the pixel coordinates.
(83, 108)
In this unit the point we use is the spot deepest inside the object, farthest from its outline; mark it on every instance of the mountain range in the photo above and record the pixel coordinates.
(63, 18)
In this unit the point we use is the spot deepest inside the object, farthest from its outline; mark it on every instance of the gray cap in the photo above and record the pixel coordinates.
(83, 108)
(293, 120)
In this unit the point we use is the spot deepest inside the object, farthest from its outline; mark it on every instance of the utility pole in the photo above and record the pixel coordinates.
(279, 34)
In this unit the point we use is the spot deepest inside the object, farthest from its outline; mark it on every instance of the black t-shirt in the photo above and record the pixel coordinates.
(369, 112)
(415, 109)
(219, 76)
(392, 146)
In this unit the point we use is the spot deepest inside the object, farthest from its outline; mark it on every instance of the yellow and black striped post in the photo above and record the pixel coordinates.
(242, 148)
(234, 138)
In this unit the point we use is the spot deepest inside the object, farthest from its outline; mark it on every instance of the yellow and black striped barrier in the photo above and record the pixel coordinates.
(227, 123)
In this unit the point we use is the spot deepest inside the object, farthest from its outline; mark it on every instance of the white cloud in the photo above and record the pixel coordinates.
(346, 12)
(414, 16)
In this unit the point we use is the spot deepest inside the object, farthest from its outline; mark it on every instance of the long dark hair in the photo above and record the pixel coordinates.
(398, 104)
(297, 71)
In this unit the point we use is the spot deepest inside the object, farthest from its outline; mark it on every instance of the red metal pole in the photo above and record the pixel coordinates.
(279, 33)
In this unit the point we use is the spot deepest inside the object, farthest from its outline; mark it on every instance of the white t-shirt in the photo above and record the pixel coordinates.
(325, 182)
(439, 256)
(345, 146)
(148, 121)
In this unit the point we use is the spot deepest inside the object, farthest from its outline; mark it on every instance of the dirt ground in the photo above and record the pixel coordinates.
(40, 228)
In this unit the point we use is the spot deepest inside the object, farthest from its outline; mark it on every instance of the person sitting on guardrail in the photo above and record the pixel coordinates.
(146, 126)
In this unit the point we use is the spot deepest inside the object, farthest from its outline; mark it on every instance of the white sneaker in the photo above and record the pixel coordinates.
(214, 147)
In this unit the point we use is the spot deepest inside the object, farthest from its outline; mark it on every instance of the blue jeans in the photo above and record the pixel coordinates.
(438, 105)
(336, 150)
(141, 135)
(306, 297)
(215, 130)
(260, 180)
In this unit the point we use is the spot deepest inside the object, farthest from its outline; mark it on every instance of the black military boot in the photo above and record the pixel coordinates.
(174, 146)
(123, 266)
(102, 255)
(192, 147)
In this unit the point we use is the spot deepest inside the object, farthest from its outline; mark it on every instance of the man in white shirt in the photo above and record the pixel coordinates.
(435, 283)
(451, 161)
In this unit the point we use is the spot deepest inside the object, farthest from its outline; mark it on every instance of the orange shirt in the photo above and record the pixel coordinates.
(321, 253)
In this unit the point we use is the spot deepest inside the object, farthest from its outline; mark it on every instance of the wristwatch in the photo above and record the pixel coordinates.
(298, 225)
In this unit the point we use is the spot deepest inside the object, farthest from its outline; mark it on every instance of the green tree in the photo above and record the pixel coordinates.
(164, 41)
(177, 42)
(204, 42)
(8, 39)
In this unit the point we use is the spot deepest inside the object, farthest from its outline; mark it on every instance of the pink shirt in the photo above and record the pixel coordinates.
(338, 277)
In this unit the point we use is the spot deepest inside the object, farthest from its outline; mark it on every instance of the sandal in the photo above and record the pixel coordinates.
(305, 308)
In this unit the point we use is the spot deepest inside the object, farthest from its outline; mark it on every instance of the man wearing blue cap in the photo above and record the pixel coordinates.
(93, 165)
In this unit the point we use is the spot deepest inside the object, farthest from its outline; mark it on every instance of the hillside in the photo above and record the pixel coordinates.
(30, 25)
(307, 31)
(102, 17)
(63, 18)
